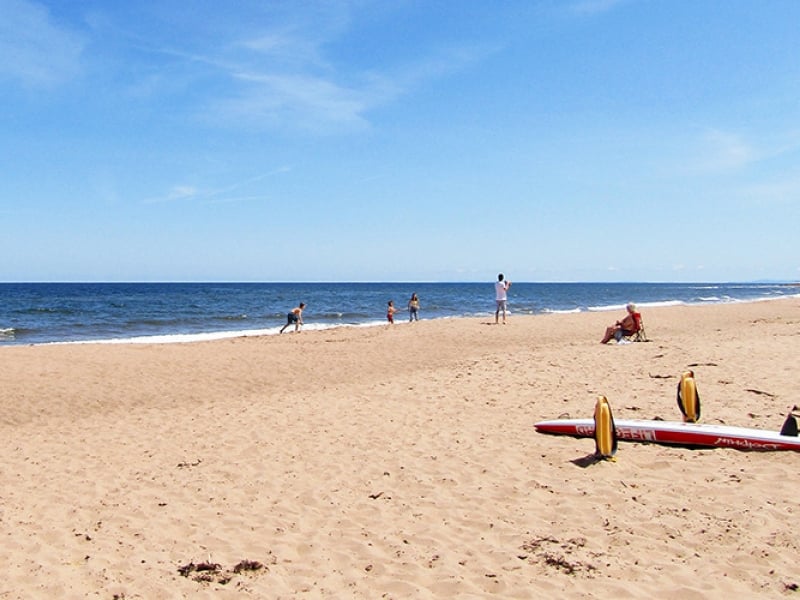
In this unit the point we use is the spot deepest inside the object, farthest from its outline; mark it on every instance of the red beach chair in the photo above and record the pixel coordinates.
(639, 334)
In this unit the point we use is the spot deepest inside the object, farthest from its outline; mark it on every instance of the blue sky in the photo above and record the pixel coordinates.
(585, 140)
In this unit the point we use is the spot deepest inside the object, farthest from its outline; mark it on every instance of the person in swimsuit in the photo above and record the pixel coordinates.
(295, 317)
(413, 308)
(629, 325)
(390, 310)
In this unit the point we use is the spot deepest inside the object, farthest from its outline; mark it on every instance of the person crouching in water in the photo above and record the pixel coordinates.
(294, 317)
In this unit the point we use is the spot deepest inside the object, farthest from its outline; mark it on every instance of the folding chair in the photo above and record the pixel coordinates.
(639, 335)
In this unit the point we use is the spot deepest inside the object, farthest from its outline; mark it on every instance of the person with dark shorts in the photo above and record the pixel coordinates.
(295, 317)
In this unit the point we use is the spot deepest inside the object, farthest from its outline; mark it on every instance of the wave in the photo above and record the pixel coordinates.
(653, 304)
(185, 338)
(40, 310)
(564, 311)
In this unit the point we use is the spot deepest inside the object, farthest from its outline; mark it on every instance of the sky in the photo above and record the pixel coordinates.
(400, 140)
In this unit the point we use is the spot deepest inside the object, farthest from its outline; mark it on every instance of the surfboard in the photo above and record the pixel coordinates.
(677, 433)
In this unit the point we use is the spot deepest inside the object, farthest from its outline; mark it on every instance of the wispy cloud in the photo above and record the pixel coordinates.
(727, 150)
(720, 151)
(298, 101)
(324, 99)
(36, 51)
(269, 73)
(245, 182)
(190, 193)
(284, 76)
(286, 49)
(176, 193)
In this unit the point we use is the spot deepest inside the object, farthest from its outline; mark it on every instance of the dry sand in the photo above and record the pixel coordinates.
(399, 462)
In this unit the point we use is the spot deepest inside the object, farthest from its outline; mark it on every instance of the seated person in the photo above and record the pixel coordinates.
(629, 325)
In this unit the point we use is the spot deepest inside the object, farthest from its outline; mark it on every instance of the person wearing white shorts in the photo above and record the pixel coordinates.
(501, 296)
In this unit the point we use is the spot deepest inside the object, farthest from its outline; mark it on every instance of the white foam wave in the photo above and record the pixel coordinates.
(565, 311)
(659, 304)
(179, 338)
(186, 338)
(639, 305)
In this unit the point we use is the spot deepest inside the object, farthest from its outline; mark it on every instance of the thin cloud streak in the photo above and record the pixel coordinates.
(182, 192)
(245, 182)
(176, 193)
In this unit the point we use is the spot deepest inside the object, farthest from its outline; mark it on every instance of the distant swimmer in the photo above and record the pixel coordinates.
(295, 317)
(501, 296)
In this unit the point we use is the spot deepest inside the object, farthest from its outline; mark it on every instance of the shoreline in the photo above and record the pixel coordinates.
(172, 313)
(210, 336)
(399, 462)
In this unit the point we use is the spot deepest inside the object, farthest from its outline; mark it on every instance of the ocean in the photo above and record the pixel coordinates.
(42, 313)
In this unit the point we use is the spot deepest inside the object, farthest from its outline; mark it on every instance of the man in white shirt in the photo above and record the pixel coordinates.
(501, 295)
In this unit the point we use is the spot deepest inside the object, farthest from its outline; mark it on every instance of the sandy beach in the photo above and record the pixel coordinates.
(399, 462)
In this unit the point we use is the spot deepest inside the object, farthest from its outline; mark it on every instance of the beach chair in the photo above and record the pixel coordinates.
(639, 335)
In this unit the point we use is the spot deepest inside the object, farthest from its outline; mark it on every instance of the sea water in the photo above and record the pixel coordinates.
(36, 313)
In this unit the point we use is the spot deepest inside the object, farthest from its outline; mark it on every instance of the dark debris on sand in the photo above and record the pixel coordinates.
(208, 572)
(560, 554)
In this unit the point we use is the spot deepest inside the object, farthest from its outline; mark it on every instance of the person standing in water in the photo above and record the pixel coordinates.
(501, 297)
(413, 308)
